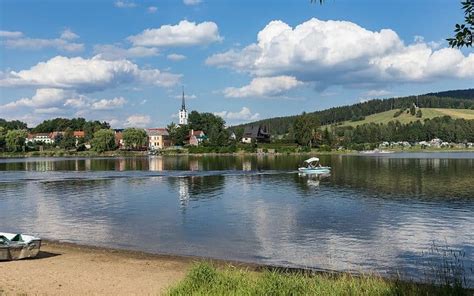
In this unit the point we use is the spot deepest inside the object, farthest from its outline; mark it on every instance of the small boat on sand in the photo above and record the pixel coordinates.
(18, 246)
(313, 166)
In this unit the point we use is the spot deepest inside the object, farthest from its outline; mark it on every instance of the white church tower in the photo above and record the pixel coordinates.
(183, 113)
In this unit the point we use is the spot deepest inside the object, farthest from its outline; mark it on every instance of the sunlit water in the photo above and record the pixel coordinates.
(377, 214)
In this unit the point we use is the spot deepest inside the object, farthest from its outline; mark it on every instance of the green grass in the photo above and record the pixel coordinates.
(428, 113)
(206, 279)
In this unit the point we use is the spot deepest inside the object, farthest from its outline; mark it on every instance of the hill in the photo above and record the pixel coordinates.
(460, 99)
(427, 113)
(459, 94)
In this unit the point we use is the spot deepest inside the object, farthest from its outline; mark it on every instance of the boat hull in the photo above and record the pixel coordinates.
(28, 248)
(320, 170)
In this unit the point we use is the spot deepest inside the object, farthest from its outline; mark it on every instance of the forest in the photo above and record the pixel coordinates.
(458, 99)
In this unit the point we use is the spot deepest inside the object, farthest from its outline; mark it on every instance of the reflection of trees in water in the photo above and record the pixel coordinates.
(197, 188)
(426, 178)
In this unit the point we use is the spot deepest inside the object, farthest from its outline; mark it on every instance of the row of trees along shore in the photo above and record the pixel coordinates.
(306, 130)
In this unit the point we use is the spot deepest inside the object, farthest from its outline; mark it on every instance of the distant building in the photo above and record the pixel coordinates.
(257, 133)
(183, 113)
(196, 137)
(158, 138)
(45, 138)
(119, 138)
(79, 134)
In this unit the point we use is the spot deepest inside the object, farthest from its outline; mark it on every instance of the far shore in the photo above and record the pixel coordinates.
(111, 154)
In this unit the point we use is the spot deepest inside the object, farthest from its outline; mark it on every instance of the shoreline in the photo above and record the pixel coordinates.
(64, 268)
(114, 154)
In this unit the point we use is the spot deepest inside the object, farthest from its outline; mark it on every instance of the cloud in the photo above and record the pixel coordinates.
(137, 120)
(63, 43)
(54, 99)
(152, 9)
(243, 115)
(86, 75)
(113, 52)
(176, 57)
(329, 53)
(45, 97)
(125, 4)
(192, 2)
(109, 104)
(263, 87)
(377, 93)
(187, 97)
(183, 34)
(10, 34)
(51, 110)
(68, 35)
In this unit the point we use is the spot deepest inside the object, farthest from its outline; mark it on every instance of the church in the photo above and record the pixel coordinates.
(183, 113)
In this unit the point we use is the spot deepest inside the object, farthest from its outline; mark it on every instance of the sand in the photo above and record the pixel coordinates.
(67, 269)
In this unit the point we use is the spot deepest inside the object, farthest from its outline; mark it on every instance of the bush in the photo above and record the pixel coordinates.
(325, 148)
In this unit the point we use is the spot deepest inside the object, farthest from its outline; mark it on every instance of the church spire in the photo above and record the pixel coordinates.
(183, 105)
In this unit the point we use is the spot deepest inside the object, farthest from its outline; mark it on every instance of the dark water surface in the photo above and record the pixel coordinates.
(379, 214)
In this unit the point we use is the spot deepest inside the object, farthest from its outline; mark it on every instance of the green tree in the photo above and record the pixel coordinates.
(134, 137)
(413, 110)
(68, 141)
(212, 125)
(419, 114)
(104, 140)
(463, 32)
(178, 133)
(3, 142)
(304, 129)
(15, 140)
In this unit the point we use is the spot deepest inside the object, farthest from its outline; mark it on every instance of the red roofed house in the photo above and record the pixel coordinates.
(196, 137)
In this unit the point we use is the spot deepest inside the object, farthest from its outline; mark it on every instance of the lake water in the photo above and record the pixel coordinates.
(379, 214)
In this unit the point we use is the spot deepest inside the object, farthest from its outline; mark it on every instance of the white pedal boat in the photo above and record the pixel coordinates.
(312, 166)
(18, 246)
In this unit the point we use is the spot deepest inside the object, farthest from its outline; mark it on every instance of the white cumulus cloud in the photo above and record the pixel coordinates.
(137, 120)
(192, 2)
(244, 114)
(63, 43)
(263, 87)
(185, 33)
(86, 75)
(343, 53)
(176, 57)
(152, 9)
(125, 4)
(10, 34)
(113, 52)
(105, 104)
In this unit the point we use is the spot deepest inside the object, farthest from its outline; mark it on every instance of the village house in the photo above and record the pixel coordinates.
(256, 133)
(196, 137)
(45, 138)
(118, 133)
(158, 138)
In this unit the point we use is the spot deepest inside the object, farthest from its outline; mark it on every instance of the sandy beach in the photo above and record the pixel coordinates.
(67, 269)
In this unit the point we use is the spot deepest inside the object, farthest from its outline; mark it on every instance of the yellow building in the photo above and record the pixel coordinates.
(158, 138)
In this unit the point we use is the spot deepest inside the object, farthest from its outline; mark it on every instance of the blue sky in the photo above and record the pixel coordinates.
(126, 61)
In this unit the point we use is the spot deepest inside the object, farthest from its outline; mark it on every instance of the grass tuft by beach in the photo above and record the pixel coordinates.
(205, 279)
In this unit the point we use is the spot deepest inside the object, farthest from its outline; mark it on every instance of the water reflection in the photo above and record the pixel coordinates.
(372, 213)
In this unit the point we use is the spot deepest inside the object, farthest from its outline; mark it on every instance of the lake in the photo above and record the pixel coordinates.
(379, 214)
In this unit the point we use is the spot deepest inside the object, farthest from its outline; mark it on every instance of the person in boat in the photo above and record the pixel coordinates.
(314, 165)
